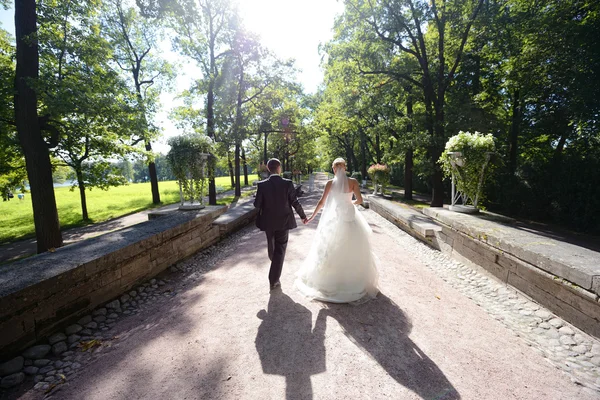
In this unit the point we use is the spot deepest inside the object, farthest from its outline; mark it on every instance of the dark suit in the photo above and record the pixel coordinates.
(275, 198)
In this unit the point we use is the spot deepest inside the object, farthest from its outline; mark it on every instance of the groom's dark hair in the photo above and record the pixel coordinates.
(273, 164)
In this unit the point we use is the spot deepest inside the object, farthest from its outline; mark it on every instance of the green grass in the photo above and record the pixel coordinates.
(16, 217)
(413, 203)
(224, 201)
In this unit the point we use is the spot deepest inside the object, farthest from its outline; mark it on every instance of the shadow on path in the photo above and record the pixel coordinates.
(380, 328)
(288, 346)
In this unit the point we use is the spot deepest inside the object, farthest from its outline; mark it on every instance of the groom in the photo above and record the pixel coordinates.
(275, 198)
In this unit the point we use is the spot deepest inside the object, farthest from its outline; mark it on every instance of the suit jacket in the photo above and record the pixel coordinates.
(275, 198)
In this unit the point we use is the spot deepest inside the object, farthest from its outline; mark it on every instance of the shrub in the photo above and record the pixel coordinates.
(287, 174)
(357, 176)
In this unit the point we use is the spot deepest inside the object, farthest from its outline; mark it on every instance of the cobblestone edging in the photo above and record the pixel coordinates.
(563, 345)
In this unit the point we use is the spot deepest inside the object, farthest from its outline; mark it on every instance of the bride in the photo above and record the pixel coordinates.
(340, 267)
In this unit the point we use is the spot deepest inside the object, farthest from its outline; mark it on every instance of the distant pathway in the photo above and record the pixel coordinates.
(24, 248)
(214, 331)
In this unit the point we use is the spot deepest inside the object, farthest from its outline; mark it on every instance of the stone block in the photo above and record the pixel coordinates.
(57, 337)
(446, 237)
(507, 261)
(596, 284)
(137, 266)
(20, 327)
(59, 348)
(107, 278)
(12, 380)
(162, 252)
(480, 248)
(557, 306)
(478, 259)
(73, 329)
(180, 242)
(37, 352)
(577, 298)
(12, 366)
(210, 237)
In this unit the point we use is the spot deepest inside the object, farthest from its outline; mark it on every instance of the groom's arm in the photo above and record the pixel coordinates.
(259, 197)
(294, 201)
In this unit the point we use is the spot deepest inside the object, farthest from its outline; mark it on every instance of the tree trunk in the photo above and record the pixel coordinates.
(437, 198)
(265, 156)
(231, 175)
(477, 76)
(363, 154)
(245, 167)
(210, 131)
(237, 130)
(408, 168)
(514, 133)
(153, 177)
(408, 158)
(378, 148)
(37, 157)
(81, 184)
(238, 189)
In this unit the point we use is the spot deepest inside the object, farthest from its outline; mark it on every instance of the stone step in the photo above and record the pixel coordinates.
(404, 216)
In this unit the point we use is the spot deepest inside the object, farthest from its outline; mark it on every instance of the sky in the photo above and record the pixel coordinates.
(290, 28)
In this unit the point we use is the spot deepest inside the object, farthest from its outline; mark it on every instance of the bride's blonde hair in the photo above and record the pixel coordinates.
(338, 161)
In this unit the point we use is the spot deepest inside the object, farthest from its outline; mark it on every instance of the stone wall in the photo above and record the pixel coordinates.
(41, 294)
(559, 280)
(566, 299)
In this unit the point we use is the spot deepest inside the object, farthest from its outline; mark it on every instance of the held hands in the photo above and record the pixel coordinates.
(305, 221)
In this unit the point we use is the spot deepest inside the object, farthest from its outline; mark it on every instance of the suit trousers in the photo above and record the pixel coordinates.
(277, 244)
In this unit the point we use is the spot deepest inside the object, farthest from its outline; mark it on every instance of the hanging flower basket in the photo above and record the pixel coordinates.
(466, 160)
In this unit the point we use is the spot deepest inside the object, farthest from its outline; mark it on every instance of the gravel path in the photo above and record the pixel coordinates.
(213, 331)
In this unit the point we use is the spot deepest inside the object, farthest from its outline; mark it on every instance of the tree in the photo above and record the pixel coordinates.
(12, 164)
(134, 40)
(203, 35)
(29, 128)
(434, 35)
(87, 103)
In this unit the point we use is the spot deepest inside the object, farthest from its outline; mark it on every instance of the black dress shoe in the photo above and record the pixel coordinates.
(275, 285)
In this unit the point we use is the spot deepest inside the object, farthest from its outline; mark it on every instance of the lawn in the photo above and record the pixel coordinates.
(16, 216)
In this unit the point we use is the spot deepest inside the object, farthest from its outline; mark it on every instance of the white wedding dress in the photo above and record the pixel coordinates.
(340, 267)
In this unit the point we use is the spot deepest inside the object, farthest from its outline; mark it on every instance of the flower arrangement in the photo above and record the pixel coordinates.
(189, 157)
(467, 155)
(380, 174)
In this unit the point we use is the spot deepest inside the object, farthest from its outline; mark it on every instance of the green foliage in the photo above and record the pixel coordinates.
(190, 158)
(89, 109)
(16, 217)
(357, 176)
(467, 156)
(12, 163)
